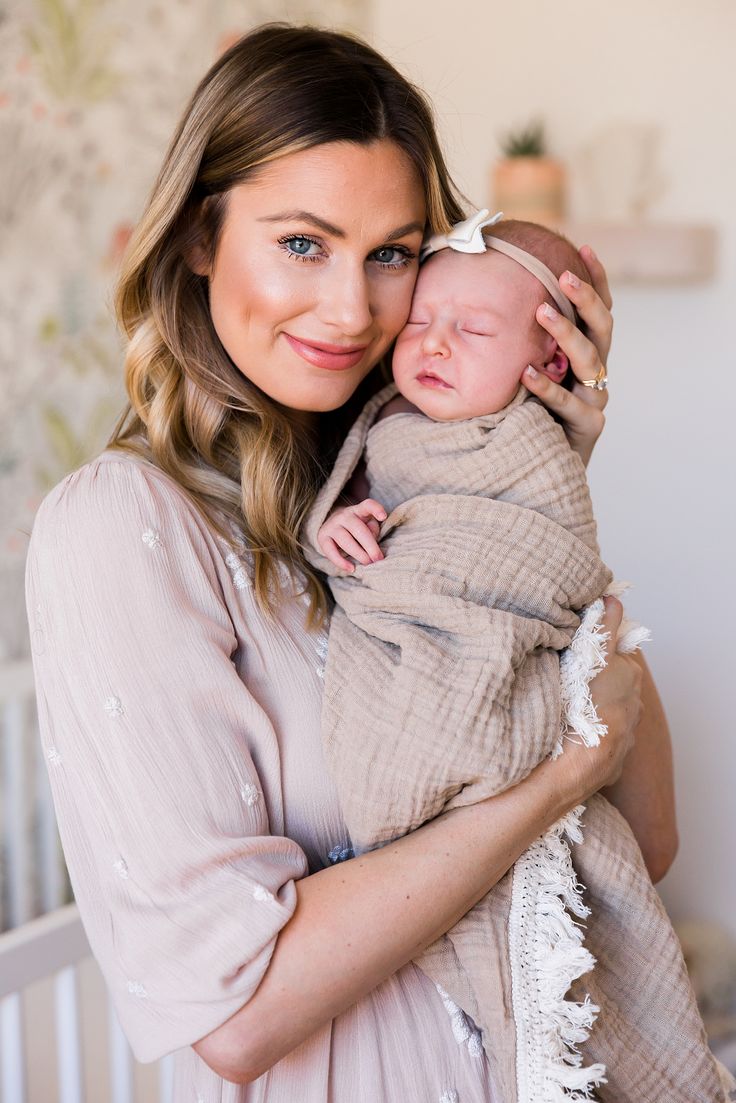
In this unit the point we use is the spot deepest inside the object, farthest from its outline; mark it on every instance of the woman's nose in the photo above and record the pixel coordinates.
(346, 304)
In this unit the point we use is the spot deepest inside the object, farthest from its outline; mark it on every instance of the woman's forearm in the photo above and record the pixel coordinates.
(644, 794)
(358, 922)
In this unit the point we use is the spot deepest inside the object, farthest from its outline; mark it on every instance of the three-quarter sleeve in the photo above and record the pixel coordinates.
(147, 728)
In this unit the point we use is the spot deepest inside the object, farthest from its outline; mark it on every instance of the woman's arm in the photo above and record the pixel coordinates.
(358, 922)
(580, 409)
(644, 793)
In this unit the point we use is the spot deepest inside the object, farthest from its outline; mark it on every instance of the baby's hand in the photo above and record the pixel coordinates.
(352, 530)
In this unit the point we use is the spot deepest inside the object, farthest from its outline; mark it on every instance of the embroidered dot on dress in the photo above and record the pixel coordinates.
(121, 868)
(450, 1096)
(151, 539)
(53, 755)
(475, 1044)
(261, 893)
(136, 989)
(113, 706)
(321, 645)
(249, 794)
(237, 570)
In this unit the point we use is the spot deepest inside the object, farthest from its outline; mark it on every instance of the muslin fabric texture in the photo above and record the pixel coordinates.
(182, 735)
(443, 688)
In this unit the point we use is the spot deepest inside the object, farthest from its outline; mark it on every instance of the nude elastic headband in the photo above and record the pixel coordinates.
(467, 237)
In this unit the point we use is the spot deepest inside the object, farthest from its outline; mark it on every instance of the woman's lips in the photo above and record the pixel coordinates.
(428, 379)
(332, 357)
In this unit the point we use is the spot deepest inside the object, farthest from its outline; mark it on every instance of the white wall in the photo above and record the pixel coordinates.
(662, 477)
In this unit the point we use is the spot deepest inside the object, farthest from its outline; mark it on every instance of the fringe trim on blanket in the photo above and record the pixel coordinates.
(727, 1081)
(582, 660)
(545, 943)
(546, 954)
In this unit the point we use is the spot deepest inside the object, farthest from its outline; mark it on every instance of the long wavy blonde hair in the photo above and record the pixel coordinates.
(239, 456)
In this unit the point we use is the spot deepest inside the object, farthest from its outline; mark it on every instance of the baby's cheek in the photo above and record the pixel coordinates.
(402, 353)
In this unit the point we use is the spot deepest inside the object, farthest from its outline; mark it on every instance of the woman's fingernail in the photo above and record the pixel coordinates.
(572, 279)
(531, 372)
(591, 254)
(549, 312)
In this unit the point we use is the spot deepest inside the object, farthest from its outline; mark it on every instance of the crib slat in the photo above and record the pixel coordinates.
(121, 1065)
(68, 1042)
(166, 1080)
(14, 800)
(12, 1059)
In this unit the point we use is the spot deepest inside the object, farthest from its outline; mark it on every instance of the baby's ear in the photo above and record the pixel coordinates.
(556, 366)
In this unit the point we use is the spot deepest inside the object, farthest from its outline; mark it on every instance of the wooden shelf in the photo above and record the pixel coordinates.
(650, 252)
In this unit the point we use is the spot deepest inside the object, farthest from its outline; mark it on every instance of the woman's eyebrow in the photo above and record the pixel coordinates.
(335, 231)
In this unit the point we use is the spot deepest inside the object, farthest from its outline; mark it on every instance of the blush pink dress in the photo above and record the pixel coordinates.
(181, 729)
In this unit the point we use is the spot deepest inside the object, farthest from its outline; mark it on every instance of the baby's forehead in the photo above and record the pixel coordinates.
(474, 279)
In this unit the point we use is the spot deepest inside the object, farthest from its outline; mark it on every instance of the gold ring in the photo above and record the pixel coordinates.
(599, 383)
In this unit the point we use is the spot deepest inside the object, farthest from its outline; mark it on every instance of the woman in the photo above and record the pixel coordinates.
(176, 627)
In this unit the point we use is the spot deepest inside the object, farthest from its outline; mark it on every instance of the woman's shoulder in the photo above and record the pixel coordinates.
(108, 481)
(116, 494)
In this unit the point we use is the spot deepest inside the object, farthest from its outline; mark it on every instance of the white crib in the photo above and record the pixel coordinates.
(60, 1039)
(32, 875)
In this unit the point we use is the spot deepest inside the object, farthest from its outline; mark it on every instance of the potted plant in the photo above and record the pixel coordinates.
(527, 182)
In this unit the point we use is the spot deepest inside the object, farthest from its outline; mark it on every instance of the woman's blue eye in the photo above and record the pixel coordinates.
(392, 257)
(299, 245)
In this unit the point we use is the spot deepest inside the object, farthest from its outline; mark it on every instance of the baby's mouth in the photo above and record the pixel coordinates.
(431, 379)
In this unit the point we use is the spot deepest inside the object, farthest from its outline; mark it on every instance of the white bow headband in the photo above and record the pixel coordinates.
(467, 237)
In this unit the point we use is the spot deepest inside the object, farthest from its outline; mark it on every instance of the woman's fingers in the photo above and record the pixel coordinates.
(597, 273)
(582, 421)
(594, 312)
(580, 350)
(611, 621)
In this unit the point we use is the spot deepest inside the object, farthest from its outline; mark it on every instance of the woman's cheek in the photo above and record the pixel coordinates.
(397, 303)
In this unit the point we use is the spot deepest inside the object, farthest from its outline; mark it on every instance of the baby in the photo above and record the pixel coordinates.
(459, 654)
(471, 333)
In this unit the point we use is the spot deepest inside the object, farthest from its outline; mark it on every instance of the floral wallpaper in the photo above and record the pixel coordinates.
(89, 93)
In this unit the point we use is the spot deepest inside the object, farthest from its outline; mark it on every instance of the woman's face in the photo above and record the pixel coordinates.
(315, 268)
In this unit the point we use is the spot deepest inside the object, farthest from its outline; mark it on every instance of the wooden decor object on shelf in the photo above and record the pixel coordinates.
(527, 183)
(650, 252)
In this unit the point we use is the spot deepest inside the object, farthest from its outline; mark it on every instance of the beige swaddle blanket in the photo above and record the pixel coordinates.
(443, 686)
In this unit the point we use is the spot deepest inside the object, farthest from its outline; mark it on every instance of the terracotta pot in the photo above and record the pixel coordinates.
(532, 188)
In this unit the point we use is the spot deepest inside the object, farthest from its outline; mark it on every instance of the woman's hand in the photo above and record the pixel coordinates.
(580, 409)
(616, 694)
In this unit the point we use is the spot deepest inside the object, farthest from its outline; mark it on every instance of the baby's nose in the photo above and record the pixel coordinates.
(436, 341)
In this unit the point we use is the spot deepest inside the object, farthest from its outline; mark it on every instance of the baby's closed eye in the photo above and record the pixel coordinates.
(475, 332)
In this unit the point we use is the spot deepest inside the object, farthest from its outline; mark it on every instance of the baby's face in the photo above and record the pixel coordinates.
(470, 335)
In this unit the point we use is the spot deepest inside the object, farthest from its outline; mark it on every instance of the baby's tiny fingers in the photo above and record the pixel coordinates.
(351, 546)
(365, 538)
(333, 553)
(371, 508)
